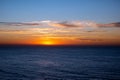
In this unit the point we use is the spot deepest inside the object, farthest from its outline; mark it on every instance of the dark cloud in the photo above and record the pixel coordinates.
(68, 24)
(90, 31)
(12, 30)
(27, 24)
(88, 39)
(117, 24)
(19, 24)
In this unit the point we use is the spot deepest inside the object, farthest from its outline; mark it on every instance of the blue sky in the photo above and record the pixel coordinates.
(102, 11)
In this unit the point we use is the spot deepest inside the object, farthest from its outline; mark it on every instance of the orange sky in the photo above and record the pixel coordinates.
(73, 33)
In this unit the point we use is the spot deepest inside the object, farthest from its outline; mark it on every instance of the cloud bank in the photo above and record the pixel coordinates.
(65, 24)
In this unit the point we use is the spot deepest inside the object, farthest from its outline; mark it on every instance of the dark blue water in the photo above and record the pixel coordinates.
(59, 63)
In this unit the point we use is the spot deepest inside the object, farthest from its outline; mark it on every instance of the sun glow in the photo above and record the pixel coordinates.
(47, 43)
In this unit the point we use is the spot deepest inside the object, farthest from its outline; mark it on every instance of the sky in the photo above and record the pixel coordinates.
(60, 22)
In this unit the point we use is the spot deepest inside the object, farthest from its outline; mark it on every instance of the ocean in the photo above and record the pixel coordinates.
(59, 63)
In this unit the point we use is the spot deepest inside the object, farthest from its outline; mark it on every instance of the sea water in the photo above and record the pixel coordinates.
(59, 63)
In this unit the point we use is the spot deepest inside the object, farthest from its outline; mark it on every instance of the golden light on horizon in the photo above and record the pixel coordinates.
(48, 42)
(54, 41)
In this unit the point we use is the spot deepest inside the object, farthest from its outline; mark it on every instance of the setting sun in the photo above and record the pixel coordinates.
(47, 43)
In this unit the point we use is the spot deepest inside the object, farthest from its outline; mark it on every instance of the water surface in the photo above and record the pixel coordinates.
(59, 63)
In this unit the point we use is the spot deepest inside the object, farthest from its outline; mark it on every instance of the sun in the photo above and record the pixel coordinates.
(48, 42)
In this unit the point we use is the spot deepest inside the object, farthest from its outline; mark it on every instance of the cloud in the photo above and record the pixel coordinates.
(12, 30)
(95, 30)
(83, 24)
(24, 24)
(89, 39)
(117, 24)
(67, 24)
